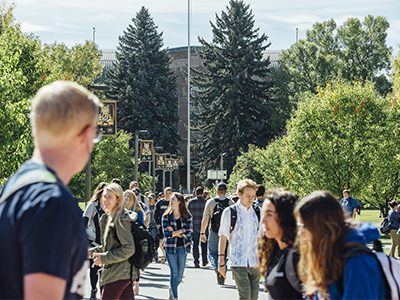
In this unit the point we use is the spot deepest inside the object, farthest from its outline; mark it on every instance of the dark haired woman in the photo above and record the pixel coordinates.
(276, 245)
(177, 227)
(91, 216)
(325, 237)
(394, 218)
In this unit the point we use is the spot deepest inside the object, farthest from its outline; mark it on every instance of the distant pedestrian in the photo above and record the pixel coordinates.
(212, 213)
(91, 217)
(43, 240)
(243, 241)
(260, 195)
(276, 246)
(181, 190)
(206, 195)
(161, 206)
(143, 204)
(152, 224)
(196, 208)
(177, 225)
(349, 204)
(117, 246)
(394, 218)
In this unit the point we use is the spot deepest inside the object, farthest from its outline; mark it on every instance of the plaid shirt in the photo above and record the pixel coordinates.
(196, 208)
(169, 242)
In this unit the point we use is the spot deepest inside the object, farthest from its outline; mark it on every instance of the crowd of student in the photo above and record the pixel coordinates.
(303, 248)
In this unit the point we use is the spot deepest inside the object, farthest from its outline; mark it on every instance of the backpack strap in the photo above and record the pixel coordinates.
(233, 217)
(290, 271)
(31, 177)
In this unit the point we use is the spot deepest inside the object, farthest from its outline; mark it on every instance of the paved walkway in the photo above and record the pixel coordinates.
(198, 284)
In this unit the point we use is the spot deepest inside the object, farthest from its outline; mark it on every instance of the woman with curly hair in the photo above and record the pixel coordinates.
(325, 239)
(276, 245)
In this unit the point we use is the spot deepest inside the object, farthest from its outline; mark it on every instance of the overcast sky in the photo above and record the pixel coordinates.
(72, 21)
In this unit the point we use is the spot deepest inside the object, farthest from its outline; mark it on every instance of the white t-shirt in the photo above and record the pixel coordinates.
(243, 240)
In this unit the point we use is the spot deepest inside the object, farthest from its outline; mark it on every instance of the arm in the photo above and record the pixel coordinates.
(221, 255)
(157, 217)
(165, 224)
(43, 286)
(204, 224)
(188, 230)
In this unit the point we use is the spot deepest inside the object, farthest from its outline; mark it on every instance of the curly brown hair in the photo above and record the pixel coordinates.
(284, 202)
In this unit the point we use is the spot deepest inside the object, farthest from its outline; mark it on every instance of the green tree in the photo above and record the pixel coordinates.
(143, 84)
(111, 158)
(234, 104)
(396, 74)
(247, 166)
(355, 51)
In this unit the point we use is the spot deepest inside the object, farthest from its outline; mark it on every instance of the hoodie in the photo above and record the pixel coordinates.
(362, 277)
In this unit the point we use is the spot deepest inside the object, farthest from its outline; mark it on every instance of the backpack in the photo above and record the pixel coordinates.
(385, 226)
(389, 267)
(144, 246)
(31, 177)
(218, 209)
(234, 215)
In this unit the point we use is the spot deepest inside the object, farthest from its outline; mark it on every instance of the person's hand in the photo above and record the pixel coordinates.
(89, 253)
(203, 238)
(158, 226)
(222, 270)
(97, 259)
(169, 228)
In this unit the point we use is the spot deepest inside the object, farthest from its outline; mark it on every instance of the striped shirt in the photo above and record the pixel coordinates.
(169, 242)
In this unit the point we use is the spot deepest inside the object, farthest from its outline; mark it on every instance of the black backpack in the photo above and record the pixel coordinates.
(144, 246)
(218, 209)
(385, 226)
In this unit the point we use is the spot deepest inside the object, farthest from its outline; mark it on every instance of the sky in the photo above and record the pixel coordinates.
(71, 22)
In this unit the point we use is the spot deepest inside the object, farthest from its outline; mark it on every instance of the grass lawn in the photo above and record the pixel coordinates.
(372, 216)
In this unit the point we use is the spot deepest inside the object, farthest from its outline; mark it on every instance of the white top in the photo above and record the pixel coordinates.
(244, 237)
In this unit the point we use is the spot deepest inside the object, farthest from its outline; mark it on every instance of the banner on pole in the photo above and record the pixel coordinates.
(181, 161)
(161, 161)
(146, 150)
(170, 166)
(175, 164)
(108, 117)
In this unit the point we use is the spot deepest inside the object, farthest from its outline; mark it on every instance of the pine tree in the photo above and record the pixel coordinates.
(143, 84)
(234, 105)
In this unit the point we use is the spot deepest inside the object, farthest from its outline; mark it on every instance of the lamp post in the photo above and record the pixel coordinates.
(137, 132)
(222, 162)
(164, 170)
(188, 108)
(170, 172)
(154, 166)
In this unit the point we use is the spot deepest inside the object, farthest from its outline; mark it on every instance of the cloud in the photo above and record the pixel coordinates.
(29, 27)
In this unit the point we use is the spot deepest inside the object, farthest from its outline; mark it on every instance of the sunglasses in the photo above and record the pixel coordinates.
(98, 133)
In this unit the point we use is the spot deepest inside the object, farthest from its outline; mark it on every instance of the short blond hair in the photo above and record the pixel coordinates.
(60, 111)
(242, 184)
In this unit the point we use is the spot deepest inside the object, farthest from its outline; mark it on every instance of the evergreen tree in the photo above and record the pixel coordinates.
(143, 84)
(234, 104)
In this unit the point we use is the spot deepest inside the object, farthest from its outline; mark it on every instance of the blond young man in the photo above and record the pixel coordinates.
(45, 244)
(242, 242)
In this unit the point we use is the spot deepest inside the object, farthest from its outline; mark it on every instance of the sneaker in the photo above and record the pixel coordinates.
(93, 294)
(196, 265)
(220, 278)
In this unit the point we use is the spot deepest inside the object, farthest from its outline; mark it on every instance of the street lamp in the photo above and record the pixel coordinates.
(137, 132)
(163, 180)
(154, 166)
(170, 172)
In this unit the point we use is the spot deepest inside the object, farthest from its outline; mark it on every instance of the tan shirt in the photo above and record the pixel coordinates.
(210, 204)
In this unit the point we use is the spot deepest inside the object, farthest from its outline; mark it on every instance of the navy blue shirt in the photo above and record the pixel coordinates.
(41, 231)
(348, 205)
(393, 216)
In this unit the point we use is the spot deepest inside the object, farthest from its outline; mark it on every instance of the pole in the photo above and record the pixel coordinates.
(94, 34)
(188, 112)
(154, 170)
(136, 154)
(163, 180)
(297, 35)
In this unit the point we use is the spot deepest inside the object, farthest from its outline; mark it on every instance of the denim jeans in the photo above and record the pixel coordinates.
(196, 254)
(213, 240)
(247, 282)
(177, 263)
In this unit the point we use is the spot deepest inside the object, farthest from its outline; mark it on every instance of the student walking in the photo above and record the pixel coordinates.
(394, 218)
(91, 217)
(161, 206)
(117, 246)
(243, 241)
(324, 237)
(276, 246)
(43, 240)
(177, 226)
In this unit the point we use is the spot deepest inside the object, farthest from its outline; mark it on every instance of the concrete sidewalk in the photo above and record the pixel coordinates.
(198, 284)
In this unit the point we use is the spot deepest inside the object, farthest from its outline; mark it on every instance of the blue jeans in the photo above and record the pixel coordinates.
(177, 263)
(213, 240)
(196, 254)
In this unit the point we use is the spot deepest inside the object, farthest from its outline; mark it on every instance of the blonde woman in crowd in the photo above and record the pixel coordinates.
(118, 245)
